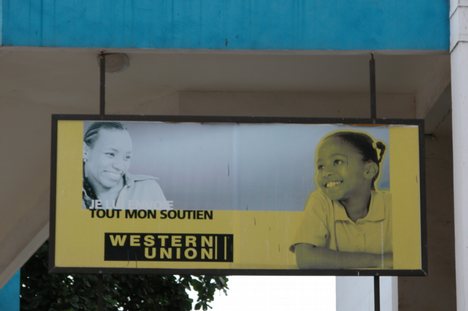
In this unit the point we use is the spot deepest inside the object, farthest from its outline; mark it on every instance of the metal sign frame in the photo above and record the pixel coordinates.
(242, 120)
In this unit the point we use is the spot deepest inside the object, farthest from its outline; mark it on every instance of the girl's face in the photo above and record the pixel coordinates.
(108, 159)
(340, 171)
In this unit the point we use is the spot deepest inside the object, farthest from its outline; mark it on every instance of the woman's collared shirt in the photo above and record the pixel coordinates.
(138, 192)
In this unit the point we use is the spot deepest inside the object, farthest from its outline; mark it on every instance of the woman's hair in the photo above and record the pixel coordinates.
(370, 149)
(92, 132)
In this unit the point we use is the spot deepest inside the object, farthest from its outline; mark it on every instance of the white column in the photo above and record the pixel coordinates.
(459, 66)
(357, 293)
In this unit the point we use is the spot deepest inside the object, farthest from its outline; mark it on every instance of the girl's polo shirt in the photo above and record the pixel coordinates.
(326, 224)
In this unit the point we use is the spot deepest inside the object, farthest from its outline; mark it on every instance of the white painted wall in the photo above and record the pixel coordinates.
(459, 65)
(357, 293)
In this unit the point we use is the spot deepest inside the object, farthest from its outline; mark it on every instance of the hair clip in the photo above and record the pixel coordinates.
(378, 150)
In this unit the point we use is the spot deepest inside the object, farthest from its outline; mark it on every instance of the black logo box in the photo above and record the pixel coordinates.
(124, 246)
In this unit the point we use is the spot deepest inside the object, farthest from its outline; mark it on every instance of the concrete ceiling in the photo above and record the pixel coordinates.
(70, 77)
(34, 83)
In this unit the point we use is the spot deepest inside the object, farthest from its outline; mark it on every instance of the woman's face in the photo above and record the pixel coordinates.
(340, 171)
(108, 159)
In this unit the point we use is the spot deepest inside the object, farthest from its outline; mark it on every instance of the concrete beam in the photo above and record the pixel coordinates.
(439, 111)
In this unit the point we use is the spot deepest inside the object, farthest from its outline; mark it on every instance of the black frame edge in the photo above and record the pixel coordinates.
(53, 183)
(422, 177)
(239, 119)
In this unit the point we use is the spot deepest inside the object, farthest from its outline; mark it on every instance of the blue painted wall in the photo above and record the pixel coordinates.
(1, 21)
(229, 24)
(9, 294)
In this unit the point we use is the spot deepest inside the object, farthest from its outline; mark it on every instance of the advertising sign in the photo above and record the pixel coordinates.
(237, 195)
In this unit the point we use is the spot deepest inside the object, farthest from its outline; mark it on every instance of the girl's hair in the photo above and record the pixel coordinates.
(370, 149)
(92, 132)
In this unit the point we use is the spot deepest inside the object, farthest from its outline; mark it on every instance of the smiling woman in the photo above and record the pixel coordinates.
(107, 184)
(347, 222)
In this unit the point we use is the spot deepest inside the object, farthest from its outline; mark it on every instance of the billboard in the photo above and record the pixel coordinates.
(237, 195)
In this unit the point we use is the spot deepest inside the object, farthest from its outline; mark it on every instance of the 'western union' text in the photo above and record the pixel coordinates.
(168, 247)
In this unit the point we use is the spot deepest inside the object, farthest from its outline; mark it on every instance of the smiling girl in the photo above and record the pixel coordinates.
(347, 221)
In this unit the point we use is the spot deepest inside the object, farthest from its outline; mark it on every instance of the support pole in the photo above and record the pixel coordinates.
(373, 95)
(376, 293)
(373, 113)
(102, 84)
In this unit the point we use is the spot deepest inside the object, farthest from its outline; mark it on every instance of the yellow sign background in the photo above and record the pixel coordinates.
(261, 238)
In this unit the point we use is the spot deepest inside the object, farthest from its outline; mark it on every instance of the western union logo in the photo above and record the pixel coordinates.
(168, 247)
